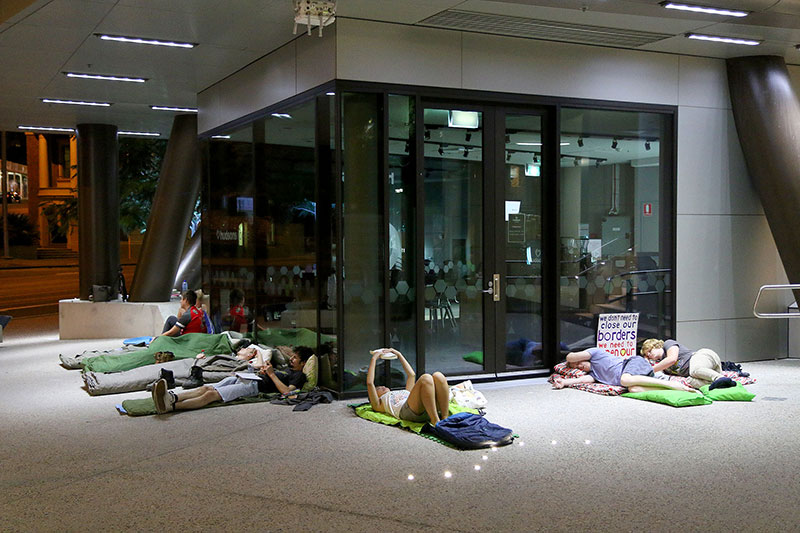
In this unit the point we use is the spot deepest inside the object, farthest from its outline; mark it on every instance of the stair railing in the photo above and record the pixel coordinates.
(765, 288)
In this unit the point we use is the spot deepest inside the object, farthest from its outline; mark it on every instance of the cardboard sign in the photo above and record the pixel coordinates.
(616, 333)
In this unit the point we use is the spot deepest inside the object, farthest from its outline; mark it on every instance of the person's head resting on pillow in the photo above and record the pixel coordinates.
(299, 356)
(586, 366)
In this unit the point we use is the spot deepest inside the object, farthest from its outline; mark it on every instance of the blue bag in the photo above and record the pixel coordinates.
(469, 431)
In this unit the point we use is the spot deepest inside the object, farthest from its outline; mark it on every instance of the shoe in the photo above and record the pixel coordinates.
(722, 383)
(195, 378)
(167, 376)
(744, 374)
(164, 399)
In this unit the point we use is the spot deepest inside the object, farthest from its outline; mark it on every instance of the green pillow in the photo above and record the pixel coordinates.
(675, 398)
(474, 357)
(731, 394)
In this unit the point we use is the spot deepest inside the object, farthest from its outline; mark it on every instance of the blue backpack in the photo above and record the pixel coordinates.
(470, 432)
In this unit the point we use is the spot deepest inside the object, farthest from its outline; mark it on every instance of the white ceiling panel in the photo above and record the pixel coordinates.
(58, 41)
(408, 12)
(78, 15)
(789, 7)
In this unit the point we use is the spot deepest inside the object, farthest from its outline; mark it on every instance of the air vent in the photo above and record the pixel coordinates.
(541, 29)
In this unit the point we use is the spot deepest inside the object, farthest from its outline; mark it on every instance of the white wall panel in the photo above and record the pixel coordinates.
(496, 63)
(316, 59)
(392, 53)
(746, 339)
(703, 83)
(712, 175)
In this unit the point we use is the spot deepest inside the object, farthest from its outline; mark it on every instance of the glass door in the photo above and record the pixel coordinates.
(452, 319)
(517, 217)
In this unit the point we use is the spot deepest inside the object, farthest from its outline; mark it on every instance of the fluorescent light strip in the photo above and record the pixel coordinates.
(705, 9)
(46, 128)
(139, 133)
(75, 102)
(139, 40)
(539, 144)
(727, 40)
(220, 136)
(282, 115)
(165, 108)
(104, 77)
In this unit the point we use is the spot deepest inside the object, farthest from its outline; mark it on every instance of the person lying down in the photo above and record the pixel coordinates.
(634, 373)
(426, 399)
(264, 379)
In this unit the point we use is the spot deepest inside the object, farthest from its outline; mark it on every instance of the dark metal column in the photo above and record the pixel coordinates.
(173, 204)
(98, 207)
(767, 114)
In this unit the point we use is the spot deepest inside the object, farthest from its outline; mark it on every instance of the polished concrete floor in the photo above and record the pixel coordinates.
(70, 462)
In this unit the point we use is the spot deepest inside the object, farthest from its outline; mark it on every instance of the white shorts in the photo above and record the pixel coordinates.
(232, 388)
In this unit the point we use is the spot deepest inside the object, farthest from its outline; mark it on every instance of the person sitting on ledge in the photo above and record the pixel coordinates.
(634, 373)
(426, 399)
(234, 387)
(702, 367)
(190, 321)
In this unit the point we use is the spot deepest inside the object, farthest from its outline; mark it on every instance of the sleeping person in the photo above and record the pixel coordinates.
(634, 373)
(426, 399)
(702, 367)
(234, 387)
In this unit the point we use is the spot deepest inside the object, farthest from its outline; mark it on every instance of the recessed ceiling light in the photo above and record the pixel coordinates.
(166, 108)
(75, 102)
(46, 128)
(140, 40)
(718, 39)
(103, 77)
(220, 136)
(139, 133)
(705, 9)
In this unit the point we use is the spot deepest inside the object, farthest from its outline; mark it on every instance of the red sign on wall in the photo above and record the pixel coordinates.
(647, 209)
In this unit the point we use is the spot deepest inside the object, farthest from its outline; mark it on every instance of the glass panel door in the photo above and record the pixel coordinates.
(453, 321)
(518, 214)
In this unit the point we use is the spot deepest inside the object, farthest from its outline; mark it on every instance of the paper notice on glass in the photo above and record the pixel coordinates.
(248, 375)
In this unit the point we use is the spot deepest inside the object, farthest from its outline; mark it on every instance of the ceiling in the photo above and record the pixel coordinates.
(42, 39)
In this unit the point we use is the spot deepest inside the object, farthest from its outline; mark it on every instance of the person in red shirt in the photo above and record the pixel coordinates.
(237, 317)
(191, 321)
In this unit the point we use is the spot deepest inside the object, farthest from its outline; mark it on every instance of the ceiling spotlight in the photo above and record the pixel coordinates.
(576, 162)
(535, 158)
(597, 163)
(166, 108)
(441, 150)
(508, 137)
(468, 137)
(718, 39)
(580, 142)
(140, 133)
(407, 147)
(615, 144)
(105, 77)
(705, 9)
(508, 156)
(647, 145)
(140, 40)
(75, 102)
(427, 134)
(466, 152)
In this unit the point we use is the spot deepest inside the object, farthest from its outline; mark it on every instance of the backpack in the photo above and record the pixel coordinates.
(469, 431)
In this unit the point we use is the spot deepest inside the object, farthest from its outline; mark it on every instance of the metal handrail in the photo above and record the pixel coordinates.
(793, 286)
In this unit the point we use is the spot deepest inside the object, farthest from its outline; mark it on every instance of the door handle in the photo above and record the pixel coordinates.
(490, 290)
(496, 293)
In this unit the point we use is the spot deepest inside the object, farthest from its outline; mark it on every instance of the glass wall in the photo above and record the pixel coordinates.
(616, 246)
(229, 230)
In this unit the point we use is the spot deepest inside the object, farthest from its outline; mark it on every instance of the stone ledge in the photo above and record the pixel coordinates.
(82, 319)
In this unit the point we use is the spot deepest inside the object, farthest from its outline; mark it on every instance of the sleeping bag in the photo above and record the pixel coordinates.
(470, 432)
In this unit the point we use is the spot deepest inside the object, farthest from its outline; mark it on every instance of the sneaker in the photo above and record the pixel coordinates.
(722, 383)
(164, 400)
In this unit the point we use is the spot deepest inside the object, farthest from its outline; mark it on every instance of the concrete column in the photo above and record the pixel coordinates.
(98, 206)
(168, 224)
(44, 163)
(766, 109)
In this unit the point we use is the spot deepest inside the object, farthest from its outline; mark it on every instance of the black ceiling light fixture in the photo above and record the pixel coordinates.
(468, 137)
(407, 147)
(580, 142)
(535, 159)
(427, 134)
(615, 144)
(441, 150)
(466, 152)
(647, 145)
(508, 156)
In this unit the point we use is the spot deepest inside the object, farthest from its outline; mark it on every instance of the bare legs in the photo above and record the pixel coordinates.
(432, 395)
(645, 383)
(196, 398)
(561, 382)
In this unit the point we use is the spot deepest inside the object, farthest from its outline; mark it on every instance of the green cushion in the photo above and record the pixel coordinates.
(474, 357)
(675, 398)
(731, 394)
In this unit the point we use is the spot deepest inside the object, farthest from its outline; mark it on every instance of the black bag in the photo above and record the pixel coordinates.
(100, 293)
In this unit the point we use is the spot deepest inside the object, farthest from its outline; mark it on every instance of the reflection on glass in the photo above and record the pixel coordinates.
(285, 230)
(401, 231)
(615, 254)
(228, 231)
(453, 246)
(523, 242)
(362, 260)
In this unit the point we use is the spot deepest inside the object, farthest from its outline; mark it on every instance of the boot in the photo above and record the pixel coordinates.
(195, 378)
(168, 377)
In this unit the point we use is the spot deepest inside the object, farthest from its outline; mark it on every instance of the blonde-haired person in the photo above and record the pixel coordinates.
(702, 367)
